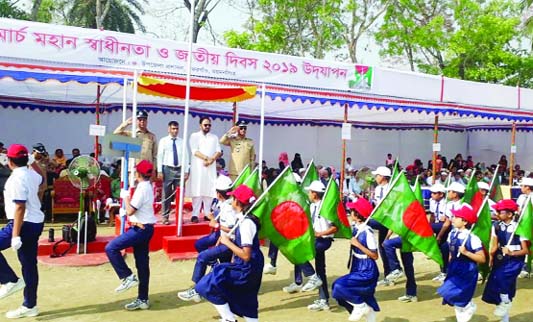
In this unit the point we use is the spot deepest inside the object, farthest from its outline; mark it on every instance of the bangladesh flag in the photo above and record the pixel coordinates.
(333, 210)
(482, 229)
(310, 175)
(525, 228)
(254, 182)
(495, 193)
(418, 191)
(283, 210)
(472, 195)
(402, 213)
(395, 170)
(245, 173)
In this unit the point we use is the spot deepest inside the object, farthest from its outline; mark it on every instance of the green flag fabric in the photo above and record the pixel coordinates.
(333, 210)
(525, 228)
(395, 171)
(418, 191)
(254, 182)
(495, 192)
(482, 229)
(310, 175)
(245, 173)
(472, 195)
(402, 213)
(283, 210)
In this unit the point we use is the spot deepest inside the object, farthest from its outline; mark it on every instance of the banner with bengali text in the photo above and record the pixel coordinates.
(29, 42)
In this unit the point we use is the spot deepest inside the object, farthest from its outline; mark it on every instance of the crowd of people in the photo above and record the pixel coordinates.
(232, 248)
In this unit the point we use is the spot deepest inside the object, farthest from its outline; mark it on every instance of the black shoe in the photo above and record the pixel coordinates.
(206, 218)
(194, 220)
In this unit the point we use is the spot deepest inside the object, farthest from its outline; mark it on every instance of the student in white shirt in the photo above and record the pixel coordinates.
(24, 226)
(142, 219)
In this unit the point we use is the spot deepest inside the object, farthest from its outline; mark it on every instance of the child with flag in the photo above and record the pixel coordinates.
(437, 209)
(324, 232)
(355, 291)
(221, 224)
(508, 251)
(526, 187)
(466, 251)
(233, 287)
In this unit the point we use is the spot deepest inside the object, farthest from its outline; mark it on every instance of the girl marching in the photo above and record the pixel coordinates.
(466, 251)
(355, 291)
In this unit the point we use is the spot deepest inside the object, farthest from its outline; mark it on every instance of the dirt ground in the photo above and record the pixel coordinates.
(86, 294)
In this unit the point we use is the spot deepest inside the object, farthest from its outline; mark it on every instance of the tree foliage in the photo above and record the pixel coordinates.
(9, 10)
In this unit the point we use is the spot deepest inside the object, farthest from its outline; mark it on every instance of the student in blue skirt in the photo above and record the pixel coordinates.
(460, 283)
(507, 259)
(233, 287)
(355, 291)
(207, 254)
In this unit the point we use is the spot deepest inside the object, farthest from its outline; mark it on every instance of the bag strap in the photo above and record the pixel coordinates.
(54, 249)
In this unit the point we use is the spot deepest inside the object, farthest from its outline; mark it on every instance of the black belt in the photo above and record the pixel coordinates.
(173, 167)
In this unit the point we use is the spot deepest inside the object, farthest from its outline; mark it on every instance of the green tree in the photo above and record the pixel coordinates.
(202, 10)
(8, 9)
(117, 15)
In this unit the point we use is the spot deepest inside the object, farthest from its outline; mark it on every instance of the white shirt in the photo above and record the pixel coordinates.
(165, 153)
(23, 186)
(452, 205)
(227, 216)
(441, 215)
(143, 201)
(202, 179)
(248, 230)
(380, 192)
(475, 242)
(520, 201)
(508, 228)
(371, 243)
(320, 224)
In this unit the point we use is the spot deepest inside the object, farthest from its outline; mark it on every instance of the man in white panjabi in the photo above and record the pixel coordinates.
(205, 149)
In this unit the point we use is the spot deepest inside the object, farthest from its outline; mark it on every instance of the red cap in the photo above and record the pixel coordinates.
(17, 151)
(362, 206)
(505, 204)
(466, 213)
(145, 168)
(244, 194)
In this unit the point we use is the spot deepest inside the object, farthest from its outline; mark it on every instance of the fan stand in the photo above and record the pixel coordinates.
(82, 212)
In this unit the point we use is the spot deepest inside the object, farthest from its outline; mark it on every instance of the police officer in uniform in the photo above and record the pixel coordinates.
(149, 141)
(242, 148)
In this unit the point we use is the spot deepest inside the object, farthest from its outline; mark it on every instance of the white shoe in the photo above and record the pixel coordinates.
(466, 313)
(22, 312)
(394, 275)
(312, 284)
(385, 282)
(439, 278)
(502, 309)
(523, 274)
(10, 288)
(408, 298)
(358, 311)
(293, 288)
(137, 304)
(270, 269)
(371, 315)
(319, 305)
(190, 295)
(127, 283)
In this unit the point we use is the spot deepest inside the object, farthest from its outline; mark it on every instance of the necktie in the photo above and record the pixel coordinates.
(437, 214)
(380, 193)
(313, 214)
(175, 152)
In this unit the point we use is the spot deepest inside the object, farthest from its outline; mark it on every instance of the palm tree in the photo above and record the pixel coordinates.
(116, 15)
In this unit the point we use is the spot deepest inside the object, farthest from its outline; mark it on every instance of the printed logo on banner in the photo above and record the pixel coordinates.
(362, 78)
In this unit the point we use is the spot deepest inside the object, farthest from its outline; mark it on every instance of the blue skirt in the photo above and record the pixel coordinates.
(502, 279)
(235, 283)
(460, 283)
(359, 286)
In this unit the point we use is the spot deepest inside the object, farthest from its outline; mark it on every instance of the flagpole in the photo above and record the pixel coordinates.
(519, 220)
(343, 161)
(435, 141)
(512, 157)
(262, 125)
(179, 220)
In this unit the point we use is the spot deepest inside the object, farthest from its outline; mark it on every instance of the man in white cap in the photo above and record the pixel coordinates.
(382, 176)
(526, 186)
(443, 178)
(437, 209)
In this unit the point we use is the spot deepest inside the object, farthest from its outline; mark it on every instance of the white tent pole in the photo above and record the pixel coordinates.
(262, 125)
(134, 106)
(179, 220)
(124, 99)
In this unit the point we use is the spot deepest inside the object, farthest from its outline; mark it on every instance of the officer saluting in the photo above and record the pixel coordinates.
(242, 148)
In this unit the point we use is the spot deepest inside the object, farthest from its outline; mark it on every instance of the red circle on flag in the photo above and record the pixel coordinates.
(415, 219)
(341, 213)
(290, 220)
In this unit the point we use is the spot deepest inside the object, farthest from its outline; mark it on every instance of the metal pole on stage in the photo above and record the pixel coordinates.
(235, 113)
(513, 143)
(262, 126)
(343, 162)
(96, 152)
(435, 142)
(179, 219)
